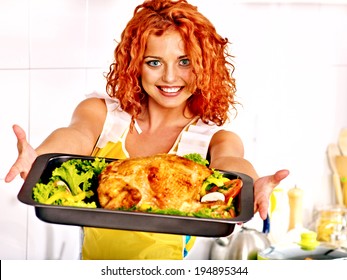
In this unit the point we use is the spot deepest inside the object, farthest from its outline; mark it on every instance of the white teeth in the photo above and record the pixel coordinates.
(170, 89)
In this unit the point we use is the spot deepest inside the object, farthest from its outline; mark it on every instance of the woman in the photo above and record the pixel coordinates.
(171, 80)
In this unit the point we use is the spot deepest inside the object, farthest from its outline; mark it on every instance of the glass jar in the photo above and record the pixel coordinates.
(331, 226)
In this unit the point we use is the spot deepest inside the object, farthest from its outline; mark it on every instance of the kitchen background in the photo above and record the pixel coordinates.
(291, 71)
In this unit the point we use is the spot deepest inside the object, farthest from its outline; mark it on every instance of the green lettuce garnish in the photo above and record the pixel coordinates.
(71, 184)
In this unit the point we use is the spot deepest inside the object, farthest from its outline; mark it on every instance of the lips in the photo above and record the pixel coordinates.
(170, 91)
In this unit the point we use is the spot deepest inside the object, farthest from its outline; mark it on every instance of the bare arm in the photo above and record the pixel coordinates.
(227, 153)
(78, 138)
(81, 134)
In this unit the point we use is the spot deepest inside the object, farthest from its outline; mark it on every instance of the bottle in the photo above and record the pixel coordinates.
(279, 215)
(295, 227)
(295, 196)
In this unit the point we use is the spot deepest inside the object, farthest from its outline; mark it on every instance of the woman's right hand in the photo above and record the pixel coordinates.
(26, 156)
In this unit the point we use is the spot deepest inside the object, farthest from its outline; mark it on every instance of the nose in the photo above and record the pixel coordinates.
(170, 74)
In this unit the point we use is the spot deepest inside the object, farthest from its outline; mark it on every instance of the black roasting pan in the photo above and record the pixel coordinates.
(127, 220)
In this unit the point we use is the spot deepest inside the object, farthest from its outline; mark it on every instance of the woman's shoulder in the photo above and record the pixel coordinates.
(111, 103)
(91, 107)
(93, 101)
(102, 102)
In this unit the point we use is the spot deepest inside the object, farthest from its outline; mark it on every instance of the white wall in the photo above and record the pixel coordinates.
(291, 70)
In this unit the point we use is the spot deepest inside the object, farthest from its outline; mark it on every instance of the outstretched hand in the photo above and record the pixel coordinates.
(26, 156)
(263, 188)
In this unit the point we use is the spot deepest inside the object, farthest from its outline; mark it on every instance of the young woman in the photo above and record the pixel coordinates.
(171, 80)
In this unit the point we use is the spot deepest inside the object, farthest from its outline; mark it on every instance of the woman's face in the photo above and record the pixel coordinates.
(166, 70)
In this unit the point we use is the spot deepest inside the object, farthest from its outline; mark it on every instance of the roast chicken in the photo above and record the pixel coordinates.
(162, 181)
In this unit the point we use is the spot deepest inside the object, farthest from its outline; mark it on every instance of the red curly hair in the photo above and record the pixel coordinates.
(214, 88)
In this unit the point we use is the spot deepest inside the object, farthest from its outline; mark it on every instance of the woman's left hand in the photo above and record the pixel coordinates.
(263, 188)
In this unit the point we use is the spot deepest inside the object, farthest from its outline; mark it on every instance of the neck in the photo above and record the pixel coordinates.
(154, 118)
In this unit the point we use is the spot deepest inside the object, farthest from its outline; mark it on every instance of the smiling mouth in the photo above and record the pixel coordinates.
(170, 90)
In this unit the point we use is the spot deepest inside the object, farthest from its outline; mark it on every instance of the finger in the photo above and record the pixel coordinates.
(261, 205)
(262, 198)
(12, 173)
(23, 175)
(263, 213)
(262, 210)
(279, 176)
(21, 137)
(19, 132)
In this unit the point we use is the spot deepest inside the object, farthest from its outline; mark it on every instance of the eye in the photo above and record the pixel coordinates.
(153, 63)
(185, 62)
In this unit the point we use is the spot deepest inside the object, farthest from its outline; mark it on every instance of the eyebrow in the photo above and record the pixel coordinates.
(158, 57)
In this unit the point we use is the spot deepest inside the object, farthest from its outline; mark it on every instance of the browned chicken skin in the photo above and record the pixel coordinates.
(162, 181)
